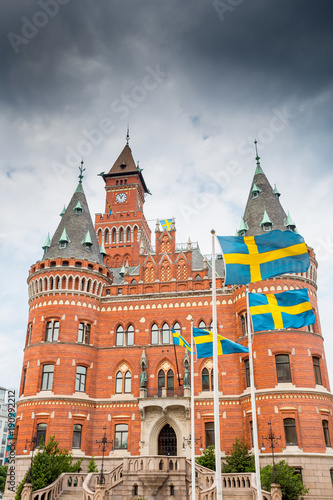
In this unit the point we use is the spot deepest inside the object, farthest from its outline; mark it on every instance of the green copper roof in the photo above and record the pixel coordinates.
(243, 225)
(265, 219)
(276, 191)
(64, 237)
(289, 222)
(258, 168)
(63, 211)
(79, 188)
(255, 189)
(87, 239)
(47, 243)
(122, 271)
(78, 206)
(102, 249)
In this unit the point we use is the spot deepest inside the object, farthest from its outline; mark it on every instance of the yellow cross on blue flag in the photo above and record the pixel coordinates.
(179, 340)
(255, 258)
(204, 343)
(109, 206)
(166, 223)
(290, 309)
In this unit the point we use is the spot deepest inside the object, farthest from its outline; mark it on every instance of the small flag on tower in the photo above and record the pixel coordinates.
(109, 206)
(204, 342)
(255, 258)
(166, 223)
(179, 340)
(290, 309)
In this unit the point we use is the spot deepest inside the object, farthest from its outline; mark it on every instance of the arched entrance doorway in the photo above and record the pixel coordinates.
(167, 441)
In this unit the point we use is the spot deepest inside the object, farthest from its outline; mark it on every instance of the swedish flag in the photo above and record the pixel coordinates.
(255, 258)
(109, 206)
(179, 340)
(204, 343)
(290, 309)
(166, 223)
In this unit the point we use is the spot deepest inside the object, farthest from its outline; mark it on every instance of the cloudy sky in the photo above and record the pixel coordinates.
(197, 81)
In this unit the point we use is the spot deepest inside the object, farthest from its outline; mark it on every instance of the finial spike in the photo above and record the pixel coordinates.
(81, 169)
(257, 156)
(127, 135)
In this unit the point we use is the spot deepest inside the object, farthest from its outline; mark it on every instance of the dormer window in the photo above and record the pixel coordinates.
(87, 243)
(242, 228)
(290, 224)
(64, 239)
(78, 208)
(255, 191)
(267, 227)
(266, 222)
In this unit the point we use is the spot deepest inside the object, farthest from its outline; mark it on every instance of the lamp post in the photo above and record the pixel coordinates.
(33, 445)
(103, 443)
(271, 438)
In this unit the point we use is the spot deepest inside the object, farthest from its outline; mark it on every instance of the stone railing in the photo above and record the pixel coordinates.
(66, 481)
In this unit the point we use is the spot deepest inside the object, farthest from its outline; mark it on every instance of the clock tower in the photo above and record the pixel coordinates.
(123, 230)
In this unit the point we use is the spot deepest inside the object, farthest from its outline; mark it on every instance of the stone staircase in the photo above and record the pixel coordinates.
(151, 477)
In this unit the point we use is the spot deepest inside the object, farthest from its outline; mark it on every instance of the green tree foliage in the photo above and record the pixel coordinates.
(207, 458)
(47, 465)
(239, 460)
(291, 484)
(92, 467)
(3, 474)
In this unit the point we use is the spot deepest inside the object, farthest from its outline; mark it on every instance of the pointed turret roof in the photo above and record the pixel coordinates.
(125, 165)
(75, 227)
(265, 201)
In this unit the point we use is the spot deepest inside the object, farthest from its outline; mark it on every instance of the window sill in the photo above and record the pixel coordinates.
(292, 449)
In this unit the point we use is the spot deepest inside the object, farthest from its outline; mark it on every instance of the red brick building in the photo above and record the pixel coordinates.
(103, 302)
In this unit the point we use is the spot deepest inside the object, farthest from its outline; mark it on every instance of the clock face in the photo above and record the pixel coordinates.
(121, 197)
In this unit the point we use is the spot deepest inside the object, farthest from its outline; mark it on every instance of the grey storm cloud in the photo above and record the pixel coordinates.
(258, 46)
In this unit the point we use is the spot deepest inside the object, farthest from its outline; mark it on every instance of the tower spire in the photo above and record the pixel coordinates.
(258, 169)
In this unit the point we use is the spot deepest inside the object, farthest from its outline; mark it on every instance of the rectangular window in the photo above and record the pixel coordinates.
(290, 431)
(4, 437)
(84, 333)
(52, 331)
(2, 451)
(317, 372)
(81, 375)
(121, 437)
(326, 434)
(283, 368)
(154, 334)
(244, 324)
(5, 427)
(247, 372)
(77, 432)
(41, 433)
(24, 374)
(47, 378)
(298, 472)
(209, 434)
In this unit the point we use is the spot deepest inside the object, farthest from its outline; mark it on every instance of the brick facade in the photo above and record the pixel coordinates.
(139, 286)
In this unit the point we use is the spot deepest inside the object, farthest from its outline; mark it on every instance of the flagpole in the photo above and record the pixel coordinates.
(253, 400)
(192, 417)
(218, 473)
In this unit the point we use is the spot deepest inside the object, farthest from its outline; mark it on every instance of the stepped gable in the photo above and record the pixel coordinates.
(265, 199)
(76, 223)
(125, 165)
